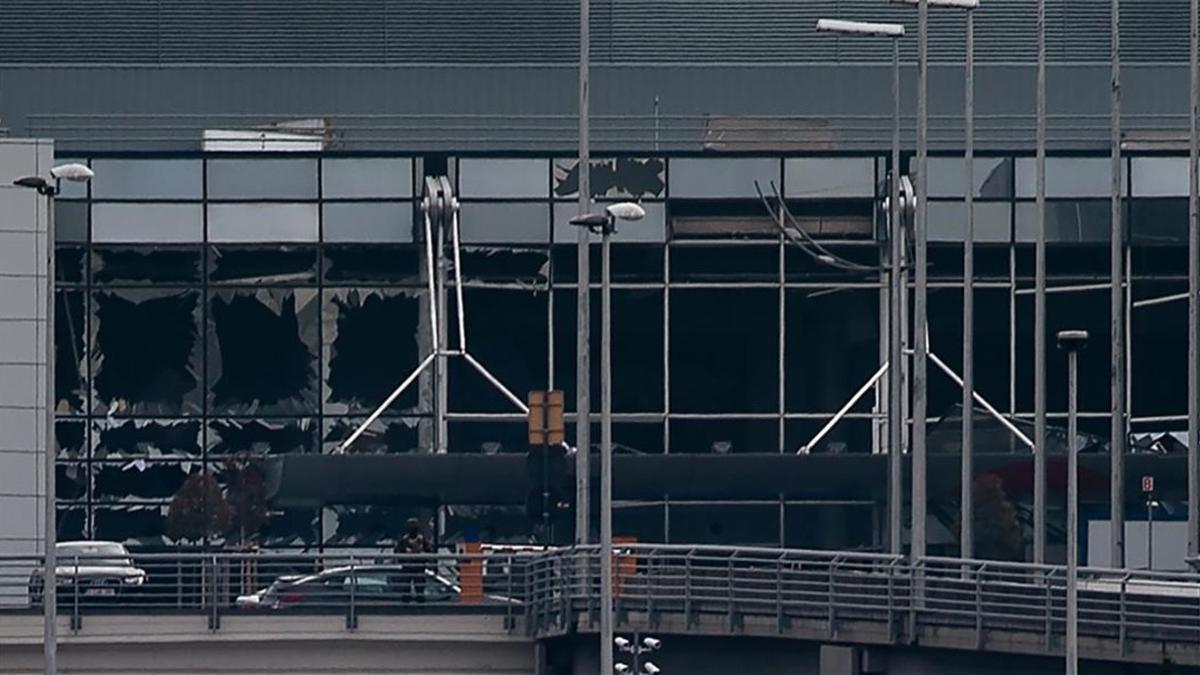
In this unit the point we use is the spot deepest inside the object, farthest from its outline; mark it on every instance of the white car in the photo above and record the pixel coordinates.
(91, 570)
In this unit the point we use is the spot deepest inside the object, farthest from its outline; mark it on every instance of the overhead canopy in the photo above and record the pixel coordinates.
(318, 480)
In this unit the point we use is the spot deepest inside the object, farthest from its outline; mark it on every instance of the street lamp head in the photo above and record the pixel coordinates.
(32, 182)
(592, 221)
(626, 211)
(73, 172)
(892, 30)
(1072, 340)
(960, 4)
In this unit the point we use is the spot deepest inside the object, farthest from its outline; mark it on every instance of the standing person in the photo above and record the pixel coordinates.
(414, 570)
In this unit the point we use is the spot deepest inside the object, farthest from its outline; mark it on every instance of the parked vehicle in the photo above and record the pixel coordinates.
(367, 585)
(90, 570)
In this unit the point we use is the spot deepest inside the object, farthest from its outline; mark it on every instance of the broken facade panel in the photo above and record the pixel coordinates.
(140, 524)
(386, 435)
(146, 352)
(619, 177)
(148, 440)
(70, 352)
(506, 332)
(142, 265)
(261, 436)
(382, 264)
(263, 352)
(369, 346)
(281, 265)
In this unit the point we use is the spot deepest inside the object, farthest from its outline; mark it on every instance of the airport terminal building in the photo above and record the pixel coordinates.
(245, 275)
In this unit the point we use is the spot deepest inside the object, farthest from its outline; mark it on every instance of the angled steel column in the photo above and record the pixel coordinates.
(1039, 306)
(1117, 251)
(920, 350)
(583, 407)
(895, 330)
(1193, 387)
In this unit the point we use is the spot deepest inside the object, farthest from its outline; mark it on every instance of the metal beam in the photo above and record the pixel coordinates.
(921, 299)
(1119, 427)
(1039, 311)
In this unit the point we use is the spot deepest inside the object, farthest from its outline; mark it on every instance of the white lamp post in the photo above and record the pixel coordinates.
(49, 188)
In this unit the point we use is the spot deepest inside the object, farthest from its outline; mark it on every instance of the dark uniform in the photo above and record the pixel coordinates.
(413, 570)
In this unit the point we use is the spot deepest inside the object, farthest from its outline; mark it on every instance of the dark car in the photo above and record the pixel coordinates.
(90, 570)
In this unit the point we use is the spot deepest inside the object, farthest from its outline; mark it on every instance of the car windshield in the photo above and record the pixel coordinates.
(90, 553)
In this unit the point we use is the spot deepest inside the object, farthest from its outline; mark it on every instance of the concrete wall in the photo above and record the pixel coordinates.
(23, 262)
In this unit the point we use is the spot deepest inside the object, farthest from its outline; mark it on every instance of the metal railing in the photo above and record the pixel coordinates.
(807, 594)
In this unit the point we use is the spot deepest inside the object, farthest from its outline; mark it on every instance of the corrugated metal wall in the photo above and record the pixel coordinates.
(545, 31)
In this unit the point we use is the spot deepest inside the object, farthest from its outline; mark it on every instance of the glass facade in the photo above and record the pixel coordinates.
(212, 306)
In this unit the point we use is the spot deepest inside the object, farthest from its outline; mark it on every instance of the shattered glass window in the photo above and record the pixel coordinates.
(620, 177)
(139, 480)
(370, 346)
(70, 352)
(275, 265)
(526, 266)
(507, 335)
(386, 435)
(146, 351)
(132, 524)
(147, 440)
(71, 436)
(375, 264)
(263, 351)
(262, 436)
(146, 265)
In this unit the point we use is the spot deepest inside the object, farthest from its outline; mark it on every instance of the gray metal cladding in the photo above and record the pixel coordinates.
(545, 31)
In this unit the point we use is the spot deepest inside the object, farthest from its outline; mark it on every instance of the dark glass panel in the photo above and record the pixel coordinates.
(70, 264)
(507, 334)
(145, 265)
(139, 480)
(143, 524)
(262, 437)
(709, 436)
(70, 352)
(71, 436)
(370, 346)
(386, 435)
(146, 439)
(382, 264)
(265, 265)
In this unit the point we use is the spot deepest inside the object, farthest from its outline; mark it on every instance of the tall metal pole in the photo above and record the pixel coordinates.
(1072, 341)
(50, 537)
(606, 535)
(1117, 323)
(967, 516)
(920, 350)
(583, 407)
(895, 329)
(1193, 409)
(1039, 305)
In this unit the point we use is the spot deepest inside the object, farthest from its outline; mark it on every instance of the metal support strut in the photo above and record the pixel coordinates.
(440, 210)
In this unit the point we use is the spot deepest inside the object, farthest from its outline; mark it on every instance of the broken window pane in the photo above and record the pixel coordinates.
(367, 222)
(803, 265)
(262, 178)
(489, 178)
(386, 435)
(710, 178)
(366, 178)
(993, 177)
(146, 357)
(370, 346)
(725, 263)
(828, 178)
(145, 265)
(71, 436)
(622, 177)
(70, 353)
(291, 527)
(507, 335)
(263, 265)
(522, 265)
(641, 263)
(139, 480)
(72, 481)
(722, 360)
(148, 179)
(146, 439)
(262, 351)
(362, 525)
(377, 264)
(72, 523)
(153, 223)
(262, 437)
(832, 348)
(262, 223)
(133, 524)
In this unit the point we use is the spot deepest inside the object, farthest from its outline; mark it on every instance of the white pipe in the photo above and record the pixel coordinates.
(383, 406)
(837, 417)
(982, 401)
(496, 383)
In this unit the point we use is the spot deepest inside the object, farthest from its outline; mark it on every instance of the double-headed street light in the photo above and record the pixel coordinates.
(894, 31)
(605, 224)
(49, 188)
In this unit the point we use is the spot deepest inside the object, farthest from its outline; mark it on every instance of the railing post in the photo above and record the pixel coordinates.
(729, 597)
(351, 609)
(1048, 576)
(831, 594)
(687, 589)
(979, 605)
(891, 600)
(1122, 634)
(214, 617)
(76, 617)
(779, 596)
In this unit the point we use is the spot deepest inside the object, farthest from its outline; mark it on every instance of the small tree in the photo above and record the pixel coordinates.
(247, 495)
(198, 510)
(997, 528)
